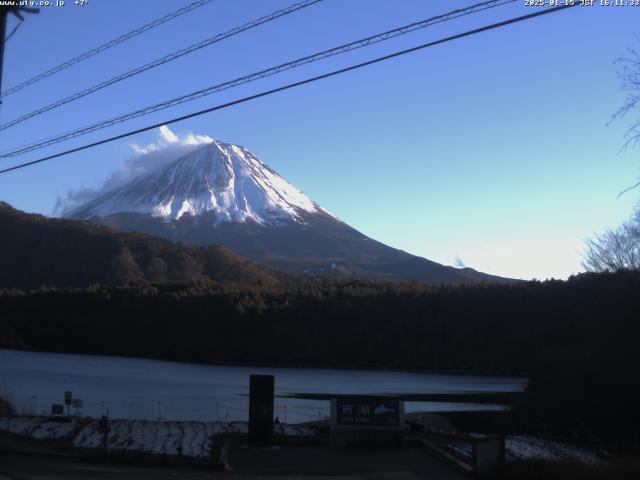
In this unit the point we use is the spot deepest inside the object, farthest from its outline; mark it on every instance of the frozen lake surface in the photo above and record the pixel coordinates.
(152, 389)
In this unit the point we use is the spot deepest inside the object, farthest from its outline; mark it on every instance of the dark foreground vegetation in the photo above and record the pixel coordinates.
(6, 408)
(548, 470)
(578, 340)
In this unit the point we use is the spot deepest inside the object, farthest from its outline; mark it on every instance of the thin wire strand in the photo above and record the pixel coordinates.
(161, 61)
(381, 37)
(15, 29)
(106, 46)
(296, 84)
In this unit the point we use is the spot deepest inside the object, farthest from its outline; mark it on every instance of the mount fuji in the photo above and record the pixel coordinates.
(222, 194)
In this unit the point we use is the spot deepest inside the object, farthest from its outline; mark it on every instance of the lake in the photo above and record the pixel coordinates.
(152, 389)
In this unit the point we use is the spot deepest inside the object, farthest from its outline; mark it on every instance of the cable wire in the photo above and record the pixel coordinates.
(261, 74)
(106, 46)
(161, 61)
(296, 84)
(15, 29)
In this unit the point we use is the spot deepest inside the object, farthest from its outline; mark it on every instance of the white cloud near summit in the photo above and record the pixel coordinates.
(146, 159)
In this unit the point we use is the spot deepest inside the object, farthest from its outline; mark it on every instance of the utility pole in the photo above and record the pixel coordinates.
(4, 13)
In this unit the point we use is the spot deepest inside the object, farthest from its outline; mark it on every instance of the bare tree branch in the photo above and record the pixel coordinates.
(619, 248)
(615, 249)
(629, 75)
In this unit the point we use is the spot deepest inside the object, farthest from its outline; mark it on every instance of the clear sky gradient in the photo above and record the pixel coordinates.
(493, 149)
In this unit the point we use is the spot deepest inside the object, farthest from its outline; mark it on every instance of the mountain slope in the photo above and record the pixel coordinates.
(222, 194)
(37, 251)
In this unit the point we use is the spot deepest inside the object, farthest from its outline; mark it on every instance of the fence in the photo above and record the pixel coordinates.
(287, 411)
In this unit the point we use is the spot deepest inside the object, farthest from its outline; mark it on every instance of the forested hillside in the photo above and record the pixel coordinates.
(39, 251)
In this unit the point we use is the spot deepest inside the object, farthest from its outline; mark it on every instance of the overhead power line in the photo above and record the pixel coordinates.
(161, 61)
(293, 85)
(15, 29)
(261, 74)
(106, 46)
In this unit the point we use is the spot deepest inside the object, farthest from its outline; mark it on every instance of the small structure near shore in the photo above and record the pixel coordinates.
(366, 421)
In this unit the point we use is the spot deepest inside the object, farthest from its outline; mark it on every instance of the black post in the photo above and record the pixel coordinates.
(261, 388)
(103, 427)
(68, 395)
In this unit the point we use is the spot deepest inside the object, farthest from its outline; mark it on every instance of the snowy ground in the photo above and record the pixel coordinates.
(189, 439)
(524, 447)
(195, 439)
(41, 428)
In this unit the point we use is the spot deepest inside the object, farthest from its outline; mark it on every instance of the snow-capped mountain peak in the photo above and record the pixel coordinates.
(218, 178)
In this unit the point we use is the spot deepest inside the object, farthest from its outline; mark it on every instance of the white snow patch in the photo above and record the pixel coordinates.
(526, 447)
(292, 430)
(41, 428)
(189, 439)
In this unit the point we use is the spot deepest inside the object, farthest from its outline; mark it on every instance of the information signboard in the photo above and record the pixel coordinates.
(367, 412)
(366, 421)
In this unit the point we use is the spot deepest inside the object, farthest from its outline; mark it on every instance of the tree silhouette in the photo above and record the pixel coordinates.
(629, 74)
(615, 249)
(619, 248)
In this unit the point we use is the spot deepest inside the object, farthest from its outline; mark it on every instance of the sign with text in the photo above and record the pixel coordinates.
(68, 396)
(57, 409)
(367, 412)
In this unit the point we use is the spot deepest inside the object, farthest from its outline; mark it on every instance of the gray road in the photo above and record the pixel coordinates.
(411, 462)
(290, 462)
(32, 467)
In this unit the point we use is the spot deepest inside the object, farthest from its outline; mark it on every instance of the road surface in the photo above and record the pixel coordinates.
(316, 463)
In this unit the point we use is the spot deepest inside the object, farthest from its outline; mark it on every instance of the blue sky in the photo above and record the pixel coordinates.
(494, 148)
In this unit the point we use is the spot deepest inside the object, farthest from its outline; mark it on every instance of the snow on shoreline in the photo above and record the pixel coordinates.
(189, 439)
(40, 428)
(526, 447)
(195, 439)
(173, 438)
